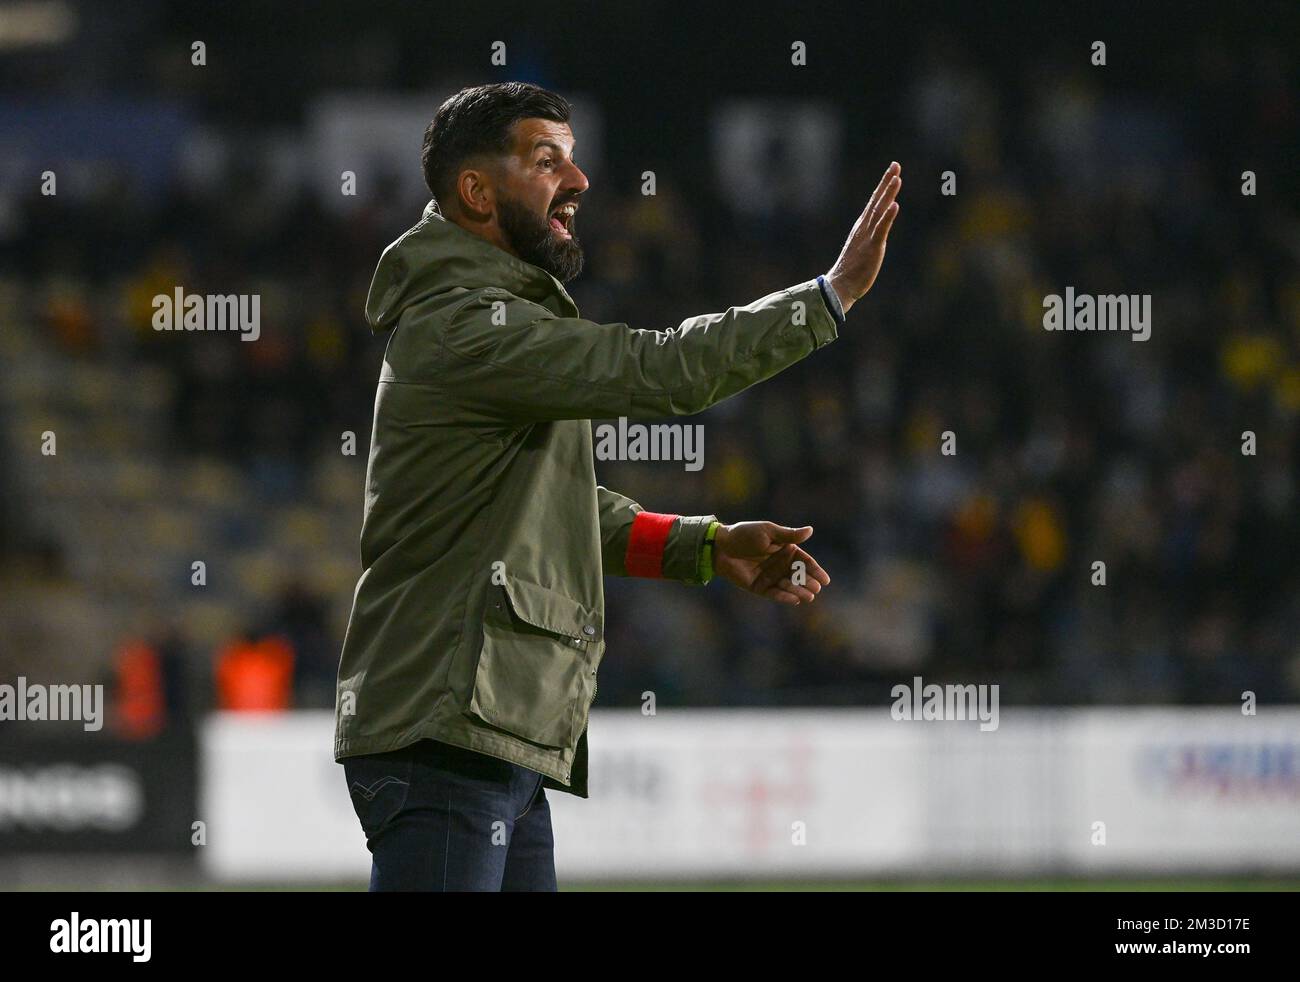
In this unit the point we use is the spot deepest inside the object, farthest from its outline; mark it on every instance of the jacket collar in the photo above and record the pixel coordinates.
(437, 255)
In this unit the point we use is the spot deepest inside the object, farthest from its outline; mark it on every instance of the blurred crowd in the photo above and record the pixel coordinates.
(976, 567)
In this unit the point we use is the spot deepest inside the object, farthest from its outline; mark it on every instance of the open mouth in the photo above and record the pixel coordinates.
(562, 219)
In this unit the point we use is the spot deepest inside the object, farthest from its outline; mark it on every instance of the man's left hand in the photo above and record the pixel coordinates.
(760, 557)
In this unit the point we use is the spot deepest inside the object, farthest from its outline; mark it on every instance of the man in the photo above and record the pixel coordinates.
(478, 623)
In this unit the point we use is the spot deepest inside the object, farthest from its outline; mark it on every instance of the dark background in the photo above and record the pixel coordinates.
(975, 568)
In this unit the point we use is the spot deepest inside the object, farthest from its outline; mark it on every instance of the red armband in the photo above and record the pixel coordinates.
(645, 544)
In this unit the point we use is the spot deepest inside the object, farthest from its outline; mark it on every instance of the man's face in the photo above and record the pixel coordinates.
(538, 197)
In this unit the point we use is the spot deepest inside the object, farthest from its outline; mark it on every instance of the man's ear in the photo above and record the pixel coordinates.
(476, 193)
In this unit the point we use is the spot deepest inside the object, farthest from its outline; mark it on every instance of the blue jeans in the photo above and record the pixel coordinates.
(437, 817)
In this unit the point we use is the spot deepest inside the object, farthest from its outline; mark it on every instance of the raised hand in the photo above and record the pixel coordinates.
(864, 250)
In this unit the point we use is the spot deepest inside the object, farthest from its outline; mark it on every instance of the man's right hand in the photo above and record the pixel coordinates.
(855, 271)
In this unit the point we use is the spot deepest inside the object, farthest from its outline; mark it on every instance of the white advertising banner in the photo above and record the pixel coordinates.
(274, 801)
(1196, 790)
(743, 792)
(826, 793)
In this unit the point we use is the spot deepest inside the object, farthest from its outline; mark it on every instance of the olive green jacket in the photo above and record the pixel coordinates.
(479, 617)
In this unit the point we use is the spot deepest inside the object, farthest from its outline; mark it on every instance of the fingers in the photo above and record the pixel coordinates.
(782, 534)
(801, 593)
(890, 172)
(881, 231)
(812, 568)
(886, 204)
(774, 576)
(773, 568)
(782, 597)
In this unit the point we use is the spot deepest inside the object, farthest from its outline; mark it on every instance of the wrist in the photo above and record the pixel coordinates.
(719, 538)
(708, 564)
(842, 292)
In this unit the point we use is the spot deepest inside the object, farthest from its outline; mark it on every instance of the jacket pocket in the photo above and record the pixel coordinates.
(533, 668)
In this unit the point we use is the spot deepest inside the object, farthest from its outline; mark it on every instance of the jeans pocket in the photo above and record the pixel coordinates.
(378, 785)
(533, 798)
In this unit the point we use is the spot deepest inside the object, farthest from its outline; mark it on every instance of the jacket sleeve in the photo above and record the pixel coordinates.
(635, 542)
(507, 358)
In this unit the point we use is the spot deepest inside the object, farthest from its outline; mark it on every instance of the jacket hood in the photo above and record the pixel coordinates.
(436, 256)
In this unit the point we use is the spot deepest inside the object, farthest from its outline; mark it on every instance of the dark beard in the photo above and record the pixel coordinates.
(534, 242)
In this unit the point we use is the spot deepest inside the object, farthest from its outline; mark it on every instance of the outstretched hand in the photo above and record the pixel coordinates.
(855, 270)
(761, 557)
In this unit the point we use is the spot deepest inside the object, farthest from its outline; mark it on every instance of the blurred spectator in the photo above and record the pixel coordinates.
(255, 675)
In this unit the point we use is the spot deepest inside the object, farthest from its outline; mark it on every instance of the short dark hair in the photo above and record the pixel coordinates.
(477, 121)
